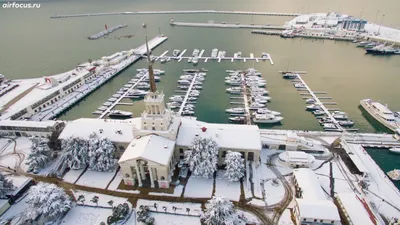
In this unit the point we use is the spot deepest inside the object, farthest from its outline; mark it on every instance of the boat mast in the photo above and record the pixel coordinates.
(150, 66)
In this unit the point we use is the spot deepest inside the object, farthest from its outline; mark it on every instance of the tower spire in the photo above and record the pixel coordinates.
(150, 69)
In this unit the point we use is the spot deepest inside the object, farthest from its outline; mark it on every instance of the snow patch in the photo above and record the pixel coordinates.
(199, 187)
(227, 189)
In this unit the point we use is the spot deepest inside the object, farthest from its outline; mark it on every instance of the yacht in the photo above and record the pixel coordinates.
(381, 113)
(289, 75)
(325, 120)
(236, 110)
(346, 123)
(197, 87)
(340, 115)
(264, 56)
(193, 94)
(267, 118)
(266, 111)
(189, 60)
(310, 101)
(195, 60)
(255, 106)
(237, 119)
(261, 98)
(214, 53)
(119, 113)
(163, 59)
(187, 112)
(395, 150)
(258, 92)
(192, 99)
(195, 52)
(299, 85)
(234, 90)
(102, 108)
(184, 82)
(112, 99)
(107, 103)
(173, 105)
(330, 127)
(394, 174)
(128, 85)
(362, 44)
(186, 77)
(143, 85)
(239, 54)
(137, 92)
(256, 83)
(318, 112)
(176, 98)
(313, 107)
(176, 52)
(116, 95)
(233, 82)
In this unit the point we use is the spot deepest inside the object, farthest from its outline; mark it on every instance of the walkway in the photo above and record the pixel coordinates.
(227, 25)
(187, 94)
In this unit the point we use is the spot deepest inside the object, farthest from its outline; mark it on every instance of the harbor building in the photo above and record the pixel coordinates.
(354, 210)
(20, 128)
(312, 206)
(296, 159)
(354, 24)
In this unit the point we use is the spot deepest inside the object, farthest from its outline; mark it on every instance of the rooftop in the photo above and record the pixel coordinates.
(382, 108)
(115, 130)
(226, 135)
(308, 182)
(355, 209)
(320, 209)
(152, 148)
(23, 123)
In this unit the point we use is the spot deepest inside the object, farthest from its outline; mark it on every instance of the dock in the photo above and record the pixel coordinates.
(107, 31)
(279, 33)
(245, 100)
(187, 94)
(178, 12)
(228, 25)
(105, 75)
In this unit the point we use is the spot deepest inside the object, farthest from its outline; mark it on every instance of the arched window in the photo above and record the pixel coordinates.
(181, 150)
(162, 178)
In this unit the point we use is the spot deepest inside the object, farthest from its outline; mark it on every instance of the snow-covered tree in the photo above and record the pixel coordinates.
(76, 151)
(6, 186)
(40, 154)
(220, 211)
(234, 166)
(118, 213)
(101, 158)
(203, 157)
(47, 201)
(143, 215)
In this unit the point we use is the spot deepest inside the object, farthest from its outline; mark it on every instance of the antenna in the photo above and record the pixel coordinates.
(150, 66)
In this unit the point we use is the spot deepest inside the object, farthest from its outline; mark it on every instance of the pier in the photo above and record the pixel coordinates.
(245, 100)
(178, 12)
(187, 94)
(109, 72)
(228, 25)
(106, 31)
(313, 36)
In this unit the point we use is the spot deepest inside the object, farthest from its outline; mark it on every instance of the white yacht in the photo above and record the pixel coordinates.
(395, 150)
(255, 106)
(190, 60)
(381, 113)
(187, 113)
(233, 82)
(197, 87)
(195, 52)
(186, 77)
(330, 127)
(119, 113)
(346, 123)
(174, 105)
(116, 95)
(239, 54)
(264, 99)
(112, 99)
(267, 118)
(190, 99)
(176, 98)
(313, 107)
(102, 108)
(394, 174)
(143, 85)
(299, 85)
(184, 82)
(266, 111)
(258, 92)
(195, 60)
(290, 75)
(163, 59)
(310, 101)
(107, 103)
(214, 53)
(176, 52)
(338, 115)
(318, 112)
(264, 56)
(237, 119)
(236, 110)
(234, 90)
(137, 92)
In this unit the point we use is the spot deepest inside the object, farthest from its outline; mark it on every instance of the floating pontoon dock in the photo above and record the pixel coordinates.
(106, 31)
(228, 25)
(187, 94)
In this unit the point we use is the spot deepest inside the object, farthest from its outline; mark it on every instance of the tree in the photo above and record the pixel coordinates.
(234, 166)
(102, 157)
(220, 211)
(144, 215)
(47, 201)
(118, 213)
(6, 186)
(81, 198)
(95, 200)
(76, 151)
(203, 157)
(40, 154)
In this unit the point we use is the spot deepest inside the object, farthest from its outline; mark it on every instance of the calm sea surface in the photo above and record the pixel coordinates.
(33, 45)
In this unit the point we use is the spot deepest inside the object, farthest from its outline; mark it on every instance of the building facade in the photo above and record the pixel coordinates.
(20, 128)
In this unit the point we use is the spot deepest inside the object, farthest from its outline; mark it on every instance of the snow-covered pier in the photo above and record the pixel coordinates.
(279, 33)
(245, 100)
(179, 12)
(78, 94)
(106, 31)
(228, 25)
(187, 94)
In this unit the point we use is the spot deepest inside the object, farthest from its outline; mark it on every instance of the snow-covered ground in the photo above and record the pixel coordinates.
(102, 201)
(257, 202)
(273, 192)
(10, 159)
(224, 188)
(15, 211)
(177, 192)
(170, 219)
(285, 218)
(251, 218)
(72, 175)
(96, 179)
(199, 187)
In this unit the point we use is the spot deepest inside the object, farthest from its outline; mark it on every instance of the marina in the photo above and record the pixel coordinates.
(107, 31)
(227, 25)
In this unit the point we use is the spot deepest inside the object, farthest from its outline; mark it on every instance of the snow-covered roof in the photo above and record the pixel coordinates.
(297, 156)
(318, 209)
(359, 164)
(28, 123)
(151, 147)
(115, 130)
(354, 208)
(228, 136)
(309, 184)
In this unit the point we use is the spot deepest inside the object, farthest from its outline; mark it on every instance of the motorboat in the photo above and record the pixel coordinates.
(330, 127)
(195, 52)
(313, 107)
(119, 113)
(195, 70)
(395, 150)
(256, 83)
(128, 85)
(142, 85)
(260, 97)
(185, 87)
(266, 111)
(156, 79)
(233, 82)
(120, 92)
(176, 98)
(192, 99)
(107, 103)
(214, 53)
(187, 112)
(239, 54)
(394, 174)
(299, 85)
(236, 110)
(173, 105)
(197, 83)
(137, 92)
(237, 119)
(193, 94)
(163, 59)
(310, 101)
(200, 78)
(112, 99)
(362, 44)
(290, 75)
(189, 60)
(176, 52)
(267, 118)
(259, 92)
(346, 123)
(255, 106)
(186, 77)
(116, 95)
(261, 101)
(195, 60)
(318, 112)
(381, 113)
(234, 90)
(197, 87)
(190, 105)
(264, 56)
(340, 115)
(184, 82)
(97, 112)
(102, 108)
(325, 120)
